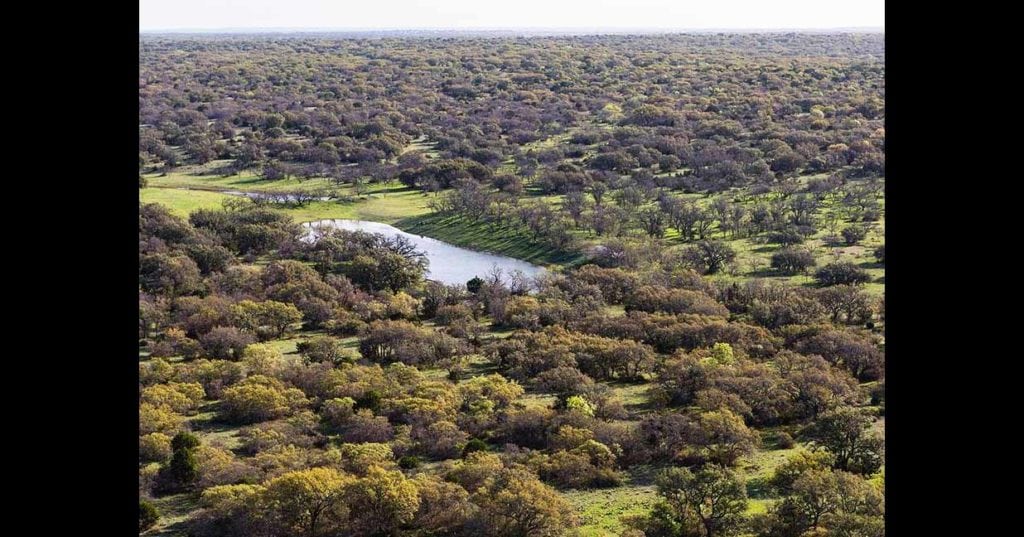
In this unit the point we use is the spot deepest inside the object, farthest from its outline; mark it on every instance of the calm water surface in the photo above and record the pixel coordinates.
(449, 264)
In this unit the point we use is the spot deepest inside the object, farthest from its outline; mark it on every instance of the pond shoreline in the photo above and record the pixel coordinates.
(449, 263)
(399, 224)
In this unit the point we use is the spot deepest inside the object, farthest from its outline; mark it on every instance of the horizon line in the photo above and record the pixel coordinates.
(306, 29)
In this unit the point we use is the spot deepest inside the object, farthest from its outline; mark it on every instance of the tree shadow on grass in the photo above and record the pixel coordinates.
(644, 474)
(208, 420)
(480, 368)
(224, 170)
(634, 408)
(177, 529)
(759, 487)
(763, 273)
(769, 272)
(251, 180)
(396, 189)
(174, 506)
(514, 244)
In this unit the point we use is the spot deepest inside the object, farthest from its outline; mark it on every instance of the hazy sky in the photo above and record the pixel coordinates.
(395, 14)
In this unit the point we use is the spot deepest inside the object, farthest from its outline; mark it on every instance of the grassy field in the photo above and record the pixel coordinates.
(754, 260)
(205, 177)
(384, 205)
(407, 209)
(182, 202)
(601, 510)
(174, 510)
(213, 432)
(461, 231)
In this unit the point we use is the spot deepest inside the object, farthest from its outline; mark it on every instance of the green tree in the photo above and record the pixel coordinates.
(726, 437)
(578, 403)
(234, 510)
(183, 468)
(384, 270)
(841, 273)
(709, 256)
(322, 349)
(797, 465)
(259, 398)
(304, 501)
(854, 234)
(262, 358)
(172, 275)
(816, 493)
(444, 507)
(714, 498)
(845, 433)
(278, 316)
(154, 447)
(839, 502)
(474, 444)
(792, 260)
(846, 299)
(154, 418)
(514, 503)
(381, 502)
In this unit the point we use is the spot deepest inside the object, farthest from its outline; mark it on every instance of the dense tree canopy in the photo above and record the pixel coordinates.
(711, 211)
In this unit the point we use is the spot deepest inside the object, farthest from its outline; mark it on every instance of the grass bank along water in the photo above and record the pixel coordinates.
(387, 203)
(449, 264)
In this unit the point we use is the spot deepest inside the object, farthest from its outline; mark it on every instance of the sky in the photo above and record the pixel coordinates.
(508, 14)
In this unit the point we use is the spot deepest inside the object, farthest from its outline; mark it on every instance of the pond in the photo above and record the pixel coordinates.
(448, 264)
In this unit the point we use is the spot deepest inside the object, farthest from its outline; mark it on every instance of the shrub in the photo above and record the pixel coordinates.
(358, 458)
(409, 462)
(370, 400)
(148, 515)
(338, 411)
(260, 398)
(447, 315)
(655, 298)
(792, 260)
(786, 237)
(180, 397)
(183, 469)
(154, 447)
(854, 234)
(841, 273)
(322, 349)
(157, 419)
(226, 342)
(441, 440)
(578, 403)
(344, 323)
(709, 256)
(565, 380)
(473, 445)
